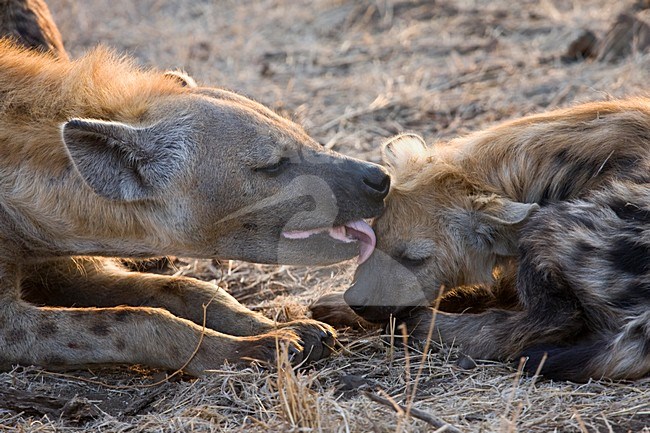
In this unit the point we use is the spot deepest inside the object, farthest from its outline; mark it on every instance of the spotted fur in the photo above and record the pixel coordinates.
(101, 158)
(559, 200)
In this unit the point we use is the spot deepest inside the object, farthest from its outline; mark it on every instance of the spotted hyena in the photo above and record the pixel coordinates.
(99, 158)
(556, 207)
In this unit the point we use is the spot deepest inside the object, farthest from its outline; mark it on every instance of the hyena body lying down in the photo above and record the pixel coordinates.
(99, 158)
(559, 205)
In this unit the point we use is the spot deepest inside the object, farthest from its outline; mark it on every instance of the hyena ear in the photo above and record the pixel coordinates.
(181, 77)
(403, 150)
(496, 221)
(123, 162)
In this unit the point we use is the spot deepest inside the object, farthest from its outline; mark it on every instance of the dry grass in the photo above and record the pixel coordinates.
(353, 72)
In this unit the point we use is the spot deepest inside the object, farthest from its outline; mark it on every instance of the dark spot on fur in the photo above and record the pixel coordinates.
(562, 159)
(73, 345)
(618, 164)
(574, 171)
(120, 344)
(122, 315)
(585, 248)
(629, 255)
(635, 296)
(101, 329)
(14, 336)
(567, 189)
(250, 226)
(570, 174)
(546, 196)
(47, 328)
(629, 211)
(583, 253)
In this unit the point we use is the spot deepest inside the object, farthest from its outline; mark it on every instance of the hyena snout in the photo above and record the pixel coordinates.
(374, 309)
(382, 287)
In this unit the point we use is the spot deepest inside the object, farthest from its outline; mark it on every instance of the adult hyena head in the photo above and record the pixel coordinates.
(439, 230)
(229, 178)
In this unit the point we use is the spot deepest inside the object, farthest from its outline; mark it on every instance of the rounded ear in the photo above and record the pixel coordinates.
(496, 222)
(402, 150)
(123, 162)
(182, 78)
(503, 211)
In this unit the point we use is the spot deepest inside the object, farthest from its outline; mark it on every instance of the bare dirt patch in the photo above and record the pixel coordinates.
(354, 73)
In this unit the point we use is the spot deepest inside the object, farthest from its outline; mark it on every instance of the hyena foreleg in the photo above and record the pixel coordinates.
(85, 282)
(492, 334)
(93, 282)
(76, 337)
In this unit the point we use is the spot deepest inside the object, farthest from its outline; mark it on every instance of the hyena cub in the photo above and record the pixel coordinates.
(556, 203)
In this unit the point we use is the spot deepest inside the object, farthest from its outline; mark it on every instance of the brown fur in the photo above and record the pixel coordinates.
(100, 158)
(558, 199)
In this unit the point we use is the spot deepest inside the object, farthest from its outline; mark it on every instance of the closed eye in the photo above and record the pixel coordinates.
(274, 168)
(410, 262)
(416, 252)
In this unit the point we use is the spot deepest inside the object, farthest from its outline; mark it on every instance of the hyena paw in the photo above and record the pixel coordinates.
(317, 339)
(266, 347)
(332, 309)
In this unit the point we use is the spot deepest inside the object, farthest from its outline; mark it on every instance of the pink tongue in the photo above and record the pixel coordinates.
(355, 230)
(363, 233)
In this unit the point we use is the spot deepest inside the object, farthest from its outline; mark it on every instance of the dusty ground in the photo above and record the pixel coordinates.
(354, 73)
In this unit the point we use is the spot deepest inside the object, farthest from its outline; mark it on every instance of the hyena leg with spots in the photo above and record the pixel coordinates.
(92, 282)
(331, 308)
(73, 337)
(493, 334)
(76, 337)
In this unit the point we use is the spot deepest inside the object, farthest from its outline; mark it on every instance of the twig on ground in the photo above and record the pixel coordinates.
(417, 413)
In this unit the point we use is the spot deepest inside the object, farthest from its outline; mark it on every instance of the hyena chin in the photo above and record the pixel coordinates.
(558, 205)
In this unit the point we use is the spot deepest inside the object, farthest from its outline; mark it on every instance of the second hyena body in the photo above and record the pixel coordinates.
(558, 205)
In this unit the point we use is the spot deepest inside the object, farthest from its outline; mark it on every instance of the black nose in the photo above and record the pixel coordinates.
(377, 182)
